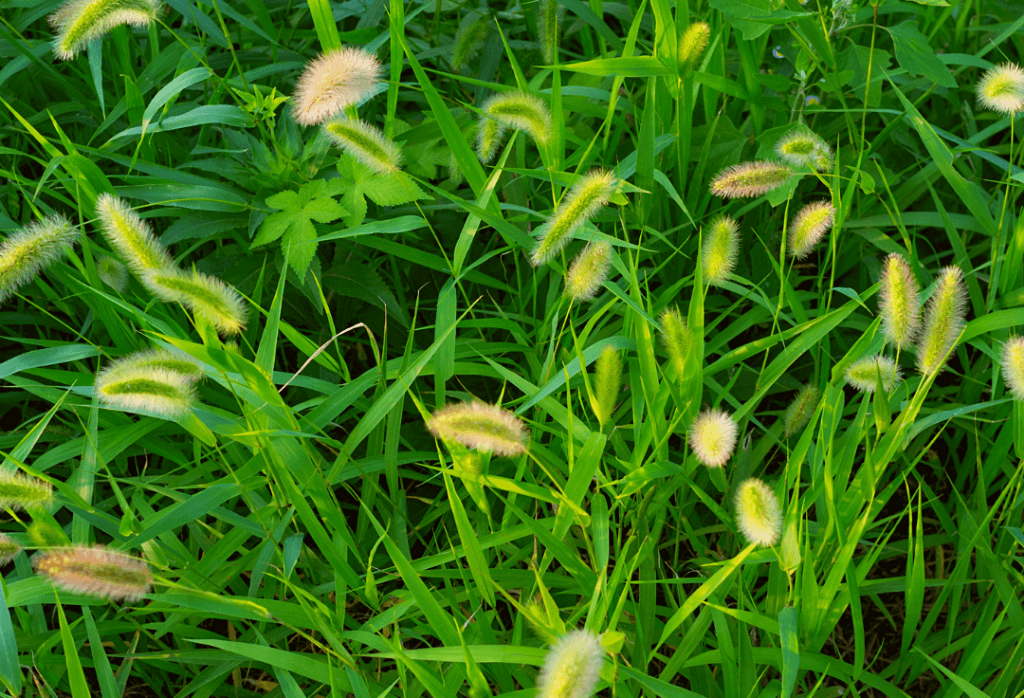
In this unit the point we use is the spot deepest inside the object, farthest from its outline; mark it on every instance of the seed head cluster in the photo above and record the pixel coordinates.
(804, 148)
(800, 411)
(808, 227)
(1013, 367)
(692, 43)
(79, 22)
(943, 321)
(864, 374)
(720, 250)
(900, 303)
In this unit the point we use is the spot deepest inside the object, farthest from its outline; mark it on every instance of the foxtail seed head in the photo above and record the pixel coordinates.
(588, 271)
(33, 248)
(757, 512)
(1001, 89)
(606, 384)
(481, 426)
(78, 22)
(130, 236)
(579, 204)
(801, 409)
(333, 81)
(365, 143)
(468, 41)
(720, 250)
(166, 393)
(943, 321)
(863, 374)
(692, 43)
(112, 273)
(488, 137)
(1013, 367)
(550, 29)
(807, 229)
(802, 147)
(204, 295)
(678, 339)
(713, 437)
(160, 360)
(899, 302)
(572, 667)
(20, 492)
(750, 179)
(523, 111)
(96, 571)
(9, 548)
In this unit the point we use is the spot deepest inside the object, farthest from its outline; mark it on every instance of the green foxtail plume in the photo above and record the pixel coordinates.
(20, 492)
(333, 81)
(1013, 367)
(366, 143)
(692, 43)
(758, 514)
(677, 338)
(204, 295)
(523, 111)
(807, 229)
(713, 437)
(899, 302)
(607, 379)
(469, 40)
(802, 147)
(130, 236)
(720, 250)
(481, 426)
(572, 667)
(1001, 89)
(579, 204)
(96, 571)
(750, 179)
(863, 374)
(801, 410)
(79, 22)
(588, 271)
(125, 386)
(943, 321)
(488, 138)
(33, 248)
(551, 12)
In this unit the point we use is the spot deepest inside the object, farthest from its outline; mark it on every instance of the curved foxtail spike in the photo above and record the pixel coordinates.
(20, 492)
(33, 248)
(750, 179)
(943, 321)
(863, 374)
(1001, 89)
(802, 147)
(333, 81)
(899, 302)
(572, 667)
(96, 571)
(468, 41)
(481, 426)
(588, 271)
(808, 227)
(130, 236)
(579, 204)
(719, 250)
(800, 411)
(713, 437)
(78, 22)
(204, 295)
(692, 43)
(166, 393)
(488, 138)
(523, 111)
(758, 514)
(366, 143)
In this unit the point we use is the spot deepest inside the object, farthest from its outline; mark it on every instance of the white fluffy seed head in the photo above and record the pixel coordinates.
(36, 246)
(802, 147)
(899, 302)
(758, 515)
(807, 229)
(943, 321)
(481, 426)
(79, 22)
(713, 437)
(572, 667)
(1013, 367)
(124, 386)
(863, 374)
(366, 143)
(204, 295)
(130, 236)
(334, 81)
(96, 571)
(1001, 89)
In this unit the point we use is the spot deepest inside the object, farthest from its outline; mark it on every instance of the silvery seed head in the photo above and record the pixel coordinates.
(713, 437)
(1001, 89)
(334, 81)
(1013, 367)
(804, 148)
(588, 271)
(96, 571)
(750, 179)
(521, 110)
(204, 295)
(577, 206)
(131, 236)
(572, 667)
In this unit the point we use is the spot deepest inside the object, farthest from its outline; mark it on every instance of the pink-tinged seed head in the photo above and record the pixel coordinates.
(96, 571)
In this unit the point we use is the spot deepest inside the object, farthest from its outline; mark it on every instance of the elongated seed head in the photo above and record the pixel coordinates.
(579, 204)
(677, 338)
(481, 426)
(807, 229)
(130, 236)
(692, 43)
(801, 409)
(588, 271)
(1001, 89)
(9, 549)
(160, 360)
(96, 571)
(863, 374)
(112, 272)
(719, 250)
(33, 248)
(551, 12)
(167, 393)
(943, 321)
(758, 515)
(204, 295)
(713, 437)
(20, 492)
(333, 81)
(78, 22)
(1013, 367)
(899, 302)
(523, 111)
(750, 179)
(572, 667)
(802, 147)
(488, 137)
(469, 40)
(607, 380)
(366, 143)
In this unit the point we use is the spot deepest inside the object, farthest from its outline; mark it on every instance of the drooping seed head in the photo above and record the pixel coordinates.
(166, 393)
(366, 143)
(863, 374)
(719, 250)
(1001, 89)
(20, 492)
(9, 549)
(469, 40)
(33, 248)
(801, 409)
(551, 13)
(112, 273)
(899, 302)
(943, 321)
(523, 111)
(481, 426)
(579, 204)
(160, 360)
(130, 236)
(572, 667)
(79, 22)
(678, 339)
(204, 295)
(96, 571)
(588, 271)
(758, 515)
(1013, 367)
(713, 437)
(808, 227)
(607, 380)
(334, 81)
(802, 147)
(692, 43)
(488, 137)
(750, 179)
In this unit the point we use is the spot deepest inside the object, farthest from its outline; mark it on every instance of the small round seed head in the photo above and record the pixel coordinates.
(1001, 89)
(692, 43)
(481, 426)
(801, 409)
(9, 548)
(720, 249)
(167, 393)
(572, 667)
(757, 512)
(579, 204)
(20, 492)
(365, 143)
(523, 111)
(749, 179)
(943, 321)
(802, 147)
(588, 271)
(33, 248)
(79, 22)
(677, 338)
(112, 273)
(807, 229)
(96, 571)
(899, 302)
(204, 295)
(713, 437)
(1013, 367)
(863, 374)
(130, 236)
(334, 81)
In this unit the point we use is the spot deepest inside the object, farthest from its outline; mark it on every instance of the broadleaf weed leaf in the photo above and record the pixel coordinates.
(293, 223)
